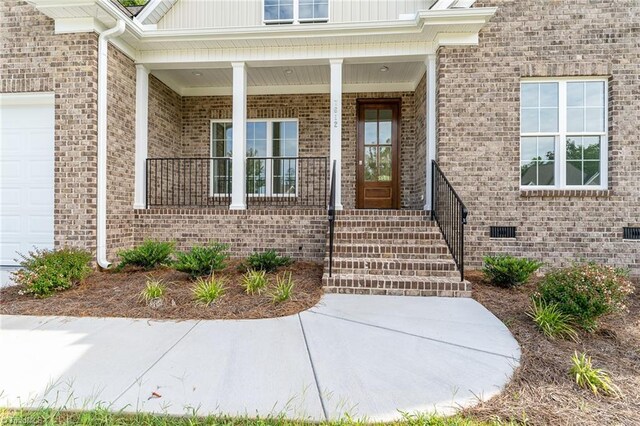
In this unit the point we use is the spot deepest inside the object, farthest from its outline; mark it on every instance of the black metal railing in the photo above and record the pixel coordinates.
(331, 213)
(188, 182)
(287, 181)
(450, 213)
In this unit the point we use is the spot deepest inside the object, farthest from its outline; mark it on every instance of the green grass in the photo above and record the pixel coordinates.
(594, 379)
(254, 282)
(551, 321)
(208, 290)
(100, 417)
(283, 288)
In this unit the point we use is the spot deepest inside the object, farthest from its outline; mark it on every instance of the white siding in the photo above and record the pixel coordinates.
(248, 13)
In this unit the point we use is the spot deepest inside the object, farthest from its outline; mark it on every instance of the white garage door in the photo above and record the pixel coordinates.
(26, 174)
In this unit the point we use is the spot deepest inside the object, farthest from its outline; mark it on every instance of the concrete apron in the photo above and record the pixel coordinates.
(366, 357)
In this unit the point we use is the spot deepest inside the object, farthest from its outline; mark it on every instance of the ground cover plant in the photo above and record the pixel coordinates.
(148, 255)
(254, 282)
(203, 260)
(43, 272)
(154, 292)
(208, 290)
(588, 377)
(267, 261)
(283, 288)
(551, 321)
(509, 271)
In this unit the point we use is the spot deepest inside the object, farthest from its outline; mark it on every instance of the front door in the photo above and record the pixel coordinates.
(378, 159)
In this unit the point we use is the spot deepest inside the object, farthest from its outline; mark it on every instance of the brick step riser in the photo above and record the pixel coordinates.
(391, 265)
(375, 257)
(395, 273)
(407, 238)
(384, 224)
(387, 287)
(383, 250)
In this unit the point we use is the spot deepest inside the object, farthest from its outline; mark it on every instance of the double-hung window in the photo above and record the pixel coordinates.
(295, 11)
(271, 149)
(563, 133)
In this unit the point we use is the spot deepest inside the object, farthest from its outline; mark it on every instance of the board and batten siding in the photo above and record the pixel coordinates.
(248, 13)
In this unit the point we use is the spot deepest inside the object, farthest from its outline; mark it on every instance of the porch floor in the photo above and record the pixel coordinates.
(367, 357)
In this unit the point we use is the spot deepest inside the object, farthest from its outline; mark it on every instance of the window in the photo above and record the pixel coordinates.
(300, 11)
(264, 139)
(563, 138)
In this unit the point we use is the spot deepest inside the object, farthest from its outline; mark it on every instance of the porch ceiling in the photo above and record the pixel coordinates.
(382, 76)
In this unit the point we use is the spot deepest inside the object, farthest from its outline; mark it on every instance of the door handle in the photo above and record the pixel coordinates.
(360, 163)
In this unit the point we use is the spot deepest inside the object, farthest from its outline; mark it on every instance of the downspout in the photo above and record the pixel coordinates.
(101, 202)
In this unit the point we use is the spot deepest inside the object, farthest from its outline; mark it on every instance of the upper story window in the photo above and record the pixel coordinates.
(295, 11)
(563, 133)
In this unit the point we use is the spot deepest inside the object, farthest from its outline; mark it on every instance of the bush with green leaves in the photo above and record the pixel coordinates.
(254, 282)
(586, 292)
(509, 271)
(46, 271)
(208, 290)
(588, 377)
(283, 288)
(267, 261)
(148, 255)
(203, 260)
(551, 321)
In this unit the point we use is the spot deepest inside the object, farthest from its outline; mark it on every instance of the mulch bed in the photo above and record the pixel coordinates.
(542, 392)
(117, 294)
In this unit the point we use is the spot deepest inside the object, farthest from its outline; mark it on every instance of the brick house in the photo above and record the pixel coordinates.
(222, 120)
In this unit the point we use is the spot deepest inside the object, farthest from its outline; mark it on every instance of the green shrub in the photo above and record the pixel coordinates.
(509, 271)
(206, 291)
(551, 321)
(283, 289)
(267, 261)
(203, 260)
(595, 379)
(150, 254)
(46, 271)
(254, 282)
(155, 289)
(585, 292)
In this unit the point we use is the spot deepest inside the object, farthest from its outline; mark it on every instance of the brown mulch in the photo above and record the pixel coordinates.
(541, 391)
(117, 294)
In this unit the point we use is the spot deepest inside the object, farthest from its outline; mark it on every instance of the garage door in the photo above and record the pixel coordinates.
(26, 174)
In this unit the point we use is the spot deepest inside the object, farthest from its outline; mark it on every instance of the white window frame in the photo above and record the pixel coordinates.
(268, 171)
(560, 158)
(296, 16)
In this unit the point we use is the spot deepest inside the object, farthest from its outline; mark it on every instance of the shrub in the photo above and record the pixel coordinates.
(509, 271)
(551, 321)
(595, 379)
(254, 282)
(267, 261)
(154, 290)
(150, 254)
(46, 271)
(203, 260)
(585, 292)
(283, 288)
(208, 290)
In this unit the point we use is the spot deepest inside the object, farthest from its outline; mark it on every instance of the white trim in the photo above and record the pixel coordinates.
(335, 125)
(239, 122)
(142, 134)
(442, 4)
(149, 8)
(430, 122)
(560, 162)
(27, 98)
(75, 25)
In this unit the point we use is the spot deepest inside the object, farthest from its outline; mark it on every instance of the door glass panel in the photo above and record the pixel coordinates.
(384, 165)
(384, 137)
(371, 163)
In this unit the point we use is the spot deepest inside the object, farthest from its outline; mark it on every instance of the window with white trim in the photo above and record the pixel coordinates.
(563, 133)
(295, 11)
(277, 138)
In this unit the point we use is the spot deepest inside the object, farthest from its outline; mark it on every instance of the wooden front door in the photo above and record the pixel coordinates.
(378, 156)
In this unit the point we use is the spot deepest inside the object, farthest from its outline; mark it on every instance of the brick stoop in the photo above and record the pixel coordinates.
(393, 252)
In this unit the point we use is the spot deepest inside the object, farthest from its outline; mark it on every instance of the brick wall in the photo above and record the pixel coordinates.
(34, 59)
(420, 152)
(165, 120)
(478, 127)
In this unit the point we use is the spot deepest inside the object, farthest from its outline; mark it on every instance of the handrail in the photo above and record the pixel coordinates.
(450, 213)
(331, 213)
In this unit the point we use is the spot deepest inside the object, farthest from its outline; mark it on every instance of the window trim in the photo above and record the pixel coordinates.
(560, 166)
(268, 171)
(296, 16)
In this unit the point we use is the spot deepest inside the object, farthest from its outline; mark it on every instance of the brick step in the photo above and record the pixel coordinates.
(397, 257)
(394, 273)
(392, 265)
(388, 227)
(396, 285)
(416, 251)
(387, 237)
(372, 218)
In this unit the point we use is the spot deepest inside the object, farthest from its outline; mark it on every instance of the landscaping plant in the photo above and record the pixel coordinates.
(150, 254)
(203, 260)
(585, 292)
(208, 290)
(46, 271)
(509, 271)
(267, 261)
(595, 379)
(254, 282)
(551, 321)
(283, 288)
(153, 292)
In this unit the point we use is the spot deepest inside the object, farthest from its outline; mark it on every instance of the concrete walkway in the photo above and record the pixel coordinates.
(362, 356)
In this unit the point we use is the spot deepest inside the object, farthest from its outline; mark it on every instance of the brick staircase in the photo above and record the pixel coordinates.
(395, 252)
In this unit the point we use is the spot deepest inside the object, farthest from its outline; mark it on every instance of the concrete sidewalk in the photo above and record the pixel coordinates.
(362, 356)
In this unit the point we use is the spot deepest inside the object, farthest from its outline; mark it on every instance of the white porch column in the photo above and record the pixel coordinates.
(239, 123)
(431, 134)
(335, 152)
(142, 134)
